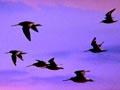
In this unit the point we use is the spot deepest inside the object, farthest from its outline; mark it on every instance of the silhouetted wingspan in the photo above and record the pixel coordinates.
(52, 62)
(20, 56)
(110, 12)
(34, 28)
(26, 32)
(51, 59)
(108, 15)
(14, 59)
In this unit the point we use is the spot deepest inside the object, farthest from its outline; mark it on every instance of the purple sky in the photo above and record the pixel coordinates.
(68, 28)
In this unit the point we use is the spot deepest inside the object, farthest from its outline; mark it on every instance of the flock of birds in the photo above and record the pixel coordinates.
(51, 65)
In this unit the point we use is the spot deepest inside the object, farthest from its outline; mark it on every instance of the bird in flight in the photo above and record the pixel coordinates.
(52, 65)
(96, 48)
(39, 63)
(16, 54)
(109, 18)
(26, 26)
(80, 77)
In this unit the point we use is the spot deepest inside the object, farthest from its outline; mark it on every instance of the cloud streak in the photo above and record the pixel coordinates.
(11, 76)
(83, 4)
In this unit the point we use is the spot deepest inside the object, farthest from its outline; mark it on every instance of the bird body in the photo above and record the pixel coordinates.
(79, 80)
(96, 51)
(53, 68)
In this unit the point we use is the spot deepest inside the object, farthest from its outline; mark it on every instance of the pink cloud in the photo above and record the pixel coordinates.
(83, 4)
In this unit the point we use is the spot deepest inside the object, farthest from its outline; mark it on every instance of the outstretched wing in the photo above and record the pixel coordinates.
(34, 28)
(109, 14)
(26, 32)
(93, 41)
(52, 59)
(52, 62)
(14, 59)
(20, 56)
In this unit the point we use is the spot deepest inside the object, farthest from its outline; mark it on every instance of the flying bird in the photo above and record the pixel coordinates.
(16, 54)
(96, 48)
(109, 18)
(80, 77)
(39, 63)
(52, 65)
(26, 26)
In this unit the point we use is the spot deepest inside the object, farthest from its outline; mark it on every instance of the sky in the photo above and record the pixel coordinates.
(67, 31)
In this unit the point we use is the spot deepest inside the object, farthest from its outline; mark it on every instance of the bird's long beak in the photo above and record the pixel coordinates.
(29, 66)
(23, 53)
(66, 80)
(15, 25)
(86, 50)
(87, 71)
(7, 52)
(101, 21)
(60, 64)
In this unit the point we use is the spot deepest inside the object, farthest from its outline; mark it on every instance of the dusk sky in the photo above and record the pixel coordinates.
(67, 31)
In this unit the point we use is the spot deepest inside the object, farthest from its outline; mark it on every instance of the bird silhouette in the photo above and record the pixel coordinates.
(16, 54)
(26, 26)
(52, 65)
(80, 77)
(109, 18)
(96, 48)
(39, 63)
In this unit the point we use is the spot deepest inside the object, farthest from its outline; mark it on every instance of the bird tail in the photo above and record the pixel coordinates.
(90, 80)
(38, 25)
(23, 53)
